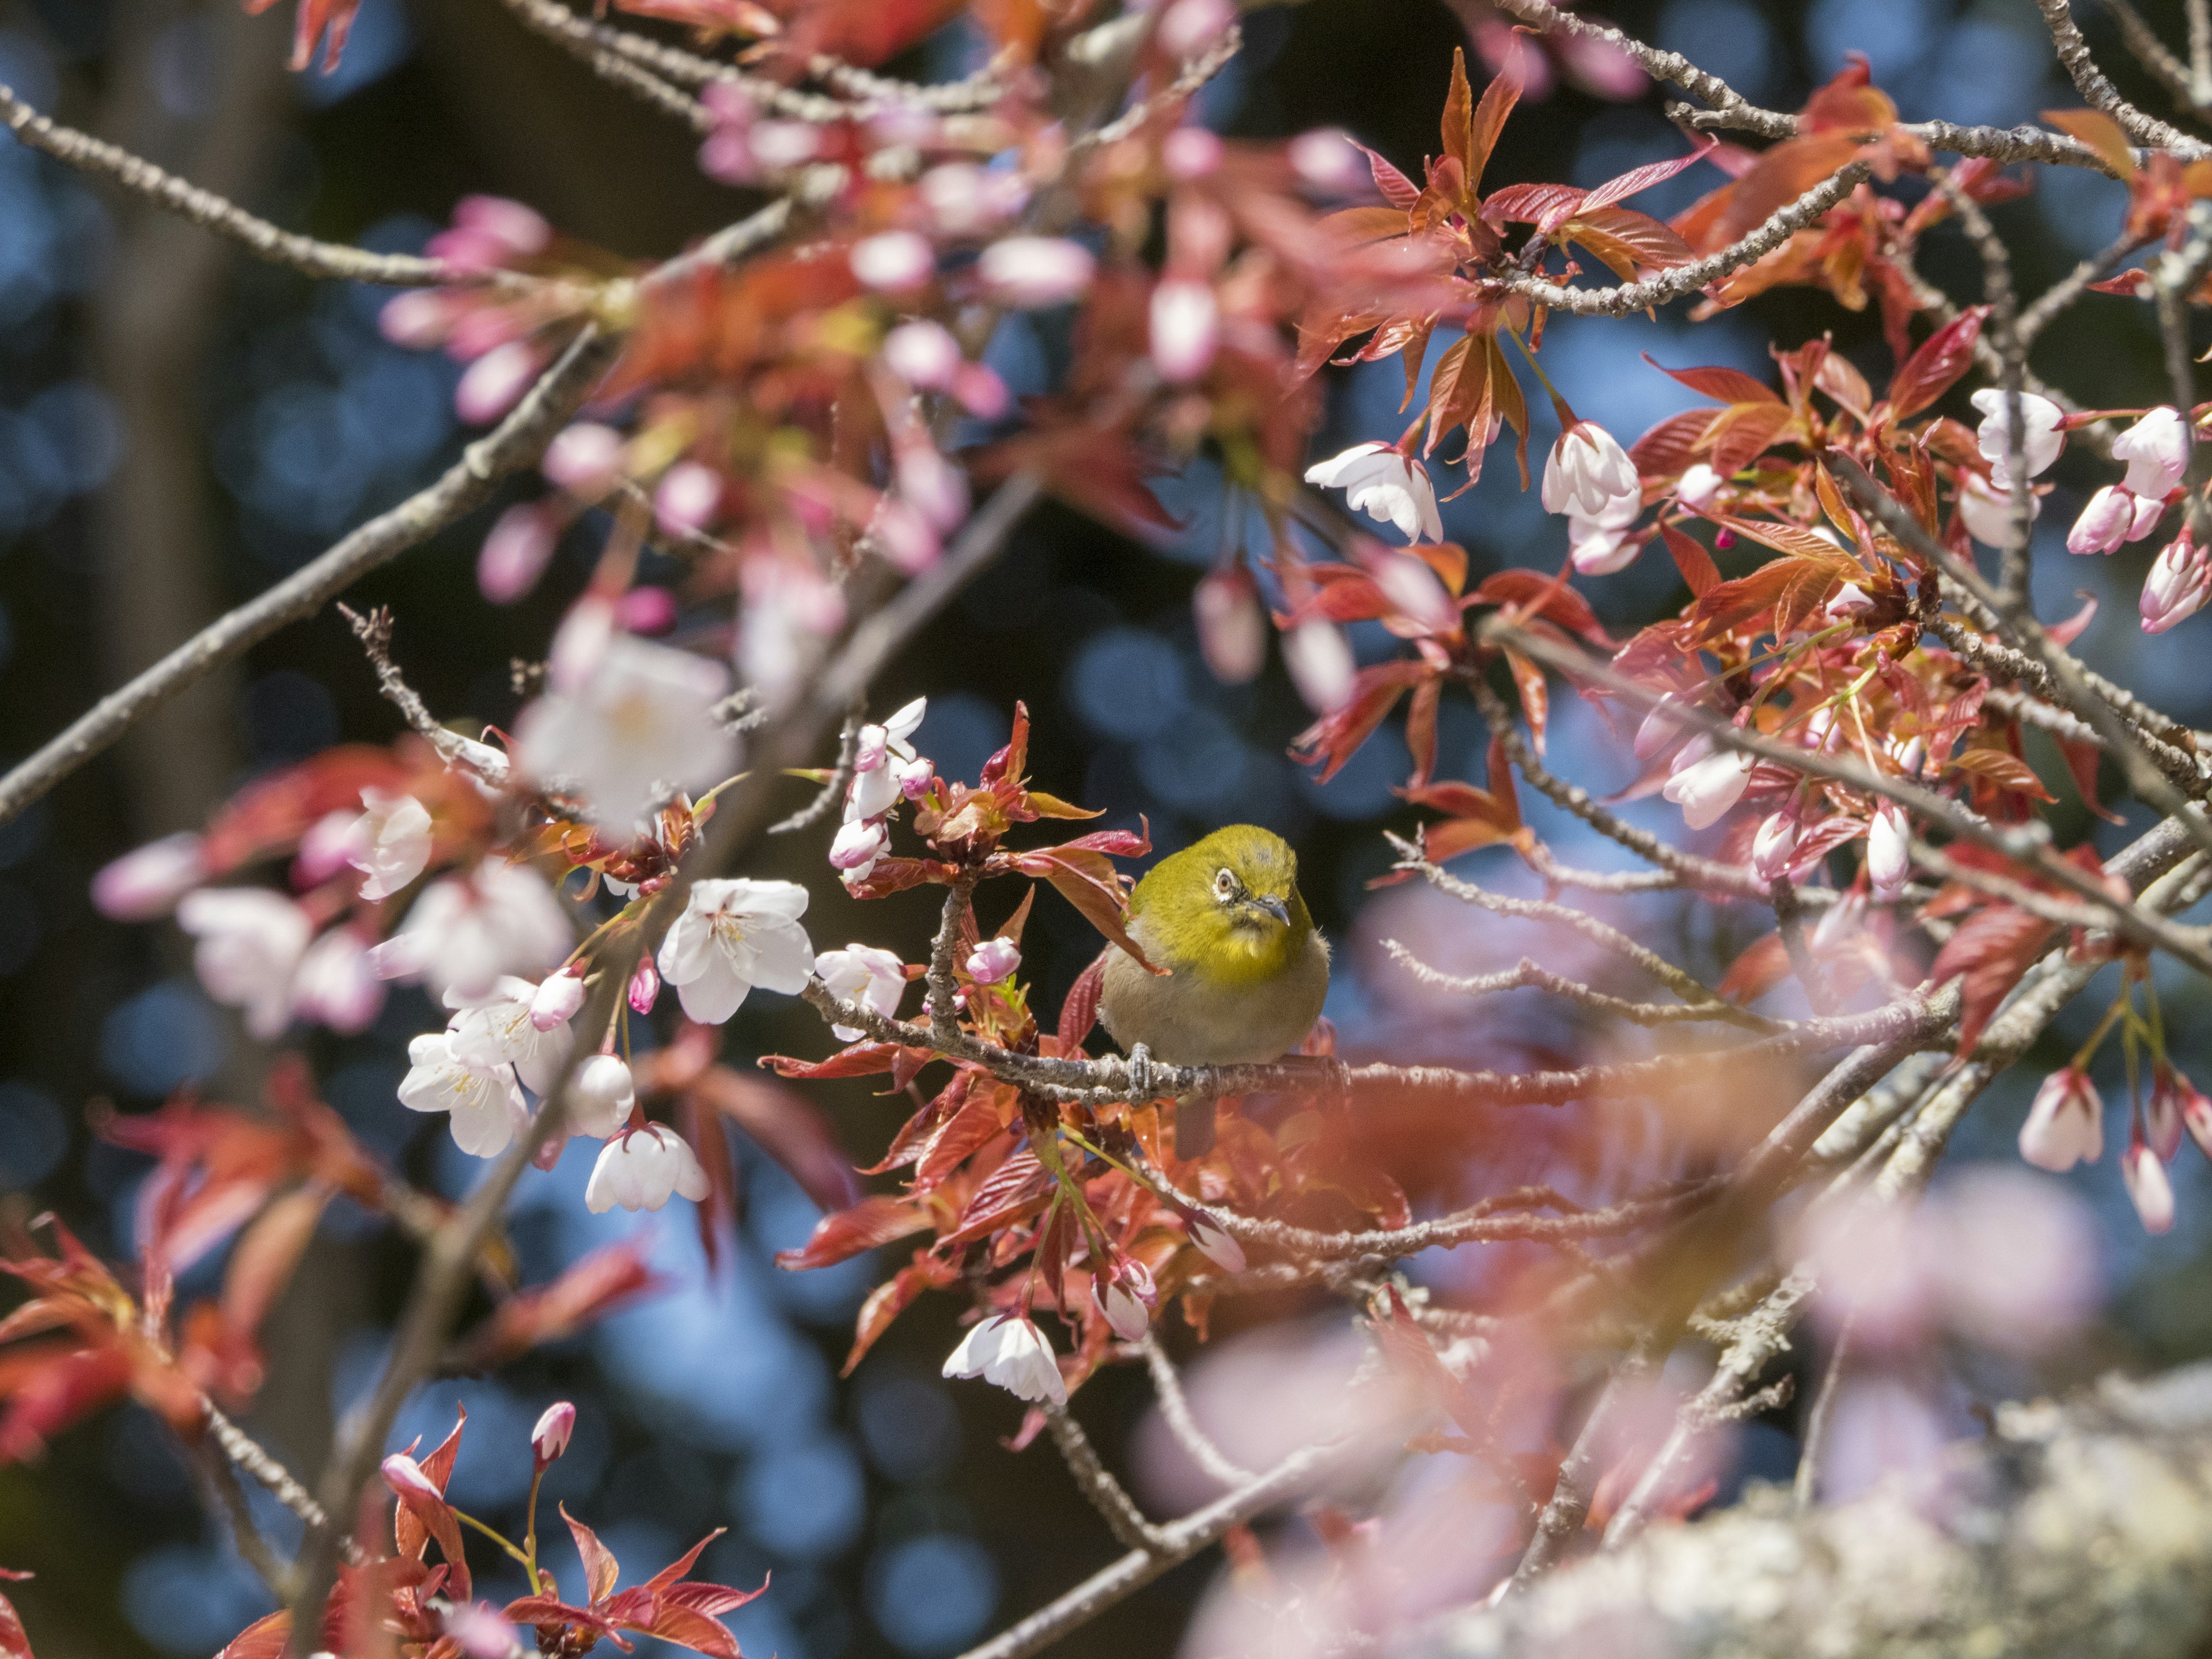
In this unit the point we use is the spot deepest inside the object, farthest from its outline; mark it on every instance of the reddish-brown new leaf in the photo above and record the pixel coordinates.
(872, 1221)
(1989, 953)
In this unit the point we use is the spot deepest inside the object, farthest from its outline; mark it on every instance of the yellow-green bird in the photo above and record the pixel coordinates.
(1248, 971)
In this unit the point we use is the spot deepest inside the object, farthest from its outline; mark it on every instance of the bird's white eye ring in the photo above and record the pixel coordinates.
(1224, 883)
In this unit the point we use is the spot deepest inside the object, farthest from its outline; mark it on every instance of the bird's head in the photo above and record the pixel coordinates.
(1227, 906)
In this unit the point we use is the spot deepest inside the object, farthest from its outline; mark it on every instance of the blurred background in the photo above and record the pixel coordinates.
(180, 426)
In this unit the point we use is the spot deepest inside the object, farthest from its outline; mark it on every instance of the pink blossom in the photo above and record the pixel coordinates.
(602, 1097)
(2178, 585)
(857, 847)
(557, 998)
(328, 847)
(645, 610)
(980, 392)
(1036, 271)
(495, 383)
(2156, 450)
(1986, 510)
(1413, 588)
(1889, 851)
(2042, 433)
(482, 1632)
(993, 960)
(1697, 487)
(390, 842)
(1213, 1243)
(581, 643)
(644, 987)
(966, 200)
(935, 486)
(2164, 1112)
(550, 1438)
(861, 973)
(2143, 1173)
(1775, 844)
(465, 931)
(1232, 629)
(1188, 27)
(2105, 522)
(1014, 1354)
(2066, 1124)
(1589, 469)
(1325, 161)
(641, 724)
(1190, 153)
(915, 776)
(417, 319)
(584, 458)
(642, 1170)
(1185, 327)
(875, 788)
(687, 498)
(779, 146)
(522, 231)
(922, 354)
(148, 881)
(1127, 1299)
(336, 985)
(903, 535)
(1320, 664)
(1707, 788)
(1661, 727)
(516, 551)
(894, 261)
(250, 943)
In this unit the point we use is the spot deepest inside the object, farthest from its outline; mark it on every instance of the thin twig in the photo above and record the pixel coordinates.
(222, 1492)
(2101, 94)
(1815, 1445)
(374, 630)
(1563, 1513)
(2151, 51)
(1175, 1412)
(1107, 1495)
(1527, 975)
(820, 807)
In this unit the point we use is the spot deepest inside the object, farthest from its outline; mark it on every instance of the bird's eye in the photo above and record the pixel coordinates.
(1225, 884)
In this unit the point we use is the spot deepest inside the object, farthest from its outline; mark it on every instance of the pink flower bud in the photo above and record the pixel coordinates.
(1775, 845)
(417, 319)
(2156, 450)
(1212, 1242)
(2104, 524)
(1662, 726)
(964, 199)
(495, 383)
(585, 460)
(2178, 585)
(2143, 1173)
(2148, 511)
(1232, 629)
(1697, 487)
(1188, 27)
(1889, 851)
(903, 535)
(687, 498)
(858, 846)
(993, 960)
(516, 552)
(1185, 328)
(2066, 1124)
(922, 354)
(1325, 161)
(1708, 787)
(521, 230)
(980, 392)
(2163, 1113)
(779, 146)
(556, 999)
(894, 261)
(644, 985)
(481, 1633)
(1190, 153)
(408, 1482)
(550, 1438)
(915, 777)
(1320, 664)
(148, 882)
(1036, 271)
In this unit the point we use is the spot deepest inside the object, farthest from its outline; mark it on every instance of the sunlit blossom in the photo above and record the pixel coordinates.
(1213, 1242)
(1705, 787)
(993, 960)
(1185, 327)
(1889, 850)
(250, 944)
(466, 931)
(642, 1170)
(1013, 1354)
(390, 842)
(734, 935)
(1604, 542)
(1036, 271)
(877, 751)
(1986, 510)
(554, 1426)
(2066, 1124)
(484, 1103)
(1775, 845)
(640, 728)
(858, 848)
(1587, 469)
(148, 882)
(2042, 434)
(875, 979)
(336, 985)
(2179, 581)
(500, 1027)
(1385, 484)
(2156, 452)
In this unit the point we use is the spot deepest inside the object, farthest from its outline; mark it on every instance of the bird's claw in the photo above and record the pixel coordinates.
(1139, 1065)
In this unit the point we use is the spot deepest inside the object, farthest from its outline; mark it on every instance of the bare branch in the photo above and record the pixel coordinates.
(1175, 1412)
(1562, 1519)
(820, 807)
(2136, 35)
(2101, 94)
(375, 633)
(1526, 975)
(1107, 1495)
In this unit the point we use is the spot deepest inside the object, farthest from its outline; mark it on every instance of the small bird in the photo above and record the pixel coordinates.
(1248, 971)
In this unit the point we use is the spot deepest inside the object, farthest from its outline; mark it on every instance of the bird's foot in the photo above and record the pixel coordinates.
(1139, 1065)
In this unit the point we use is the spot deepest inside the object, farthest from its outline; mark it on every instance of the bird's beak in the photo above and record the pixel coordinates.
(1274, 906)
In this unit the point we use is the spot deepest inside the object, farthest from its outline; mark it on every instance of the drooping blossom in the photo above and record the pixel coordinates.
(1320, 664)
(993, 960)
(2113, 517)
(148, 881)
(965, 199)
(2143, 1173)
(1033, 272)
(1412, 588)
(2163, 1112)
(584, 458)
(554, 1426)
(1661, 725)
(686, 499)
(1589, 469)
(2066, 1124)
(644, 987)
(489, 232)
(875, 786)
(2042, 434)
(390, 842)
(1013, 1354)
(1986, 510)
(2179, 581)
(642, 1170)
(495, 382)
(860, 973)
(735, 934)
(1775, 845)
(1232, 629)
(1388, 485)
(1126, 1300)
(1185, 325)
(465, 931)
(1213, 1243)
(1325, 161)
(1697, 487)
(557, 1000)
(336, 985)
(1889, 851)
(2156, 450)
(482, 1102)
(640, 726)
(499, 1029)
(1704, 788)
(1192, 152)
(250, 944)
(858, 848)
(602, 1097)
(1604, 542)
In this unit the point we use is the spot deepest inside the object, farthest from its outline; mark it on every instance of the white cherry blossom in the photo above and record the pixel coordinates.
(642, 1170)
(2156, 450)
(1603, 541)
(390, 842)
(1036, 271)
(466, 931)
(1388, 486)
(497, 1028)
(860, 973)
(484, 1103)
(1986, 510)
(878, 752)
(640, 725)
(1889, 850)
(734, 935)
(250, 944)
(601, 1098)
(1706, 786)
(2179, 581)
(337, 984)
(2042, 434)
(2143, 1173)
(1697, 487)
(148, 882)
(2066, 1124)
(1013, 1354)
(1589, 469)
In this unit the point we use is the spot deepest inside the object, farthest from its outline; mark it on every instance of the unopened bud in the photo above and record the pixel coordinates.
(405, 1478)
(550, 1438)
(556, 1001)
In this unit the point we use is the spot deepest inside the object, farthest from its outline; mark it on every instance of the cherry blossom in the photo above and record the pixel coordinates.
(404, 1476)
(495, 382)
(1185, 324)
(1589, 469)
(1986, 510)
(148, 882)
(894, 261)
(2180, 581)
(2113, 517)
(501, 1028)
(251, 941)
(2066, 1124)
(1775, 845)
(1320, 664)
(1212, 1242)
(1388, 485)
(484, 1103)
(557, 998)
(642, 1170)
(466, 931)
(602, 1097)
(923, 354)
(1705, 783)
(2042, 433)
(584, 458)
(1013, 1354)
(1697, 487)
(643, 725)
(993, 960)
(2162, 1111)
(1603, 541)
(734, 935)
(644, 987)
(1889, 850)
(390, 842)
(860, 973)
(1232, 629)
(2143, 1173)
(875, 789)
(1126, 1300)
(337, 984)
(686, 499)
(2156, 450)
(1036, 271)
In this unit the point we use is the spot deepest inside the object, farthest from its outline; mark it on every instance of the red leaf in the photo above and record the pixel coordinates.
(587, 1289)
(601, 1570)
(2006, 771)
(1669, 447)
(1397, 189)
(862, 1060)
(1932, 370)
(838, 1237)
(1086, 880)
(1497, 100)
(1992, 950)
(1545, 597)
(58, 1393)
(1459, 118)
(1691, 558)
(1079, 1011)
(787, 1127)
(2100, 132)
(1642, 179)
(691, 1630)
(2067, 632)
(1764, 964)
(1533, 204)
(1629, 243)
(892, 1297)
(1727, 385)
(1333, 739)
(266, 1637)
